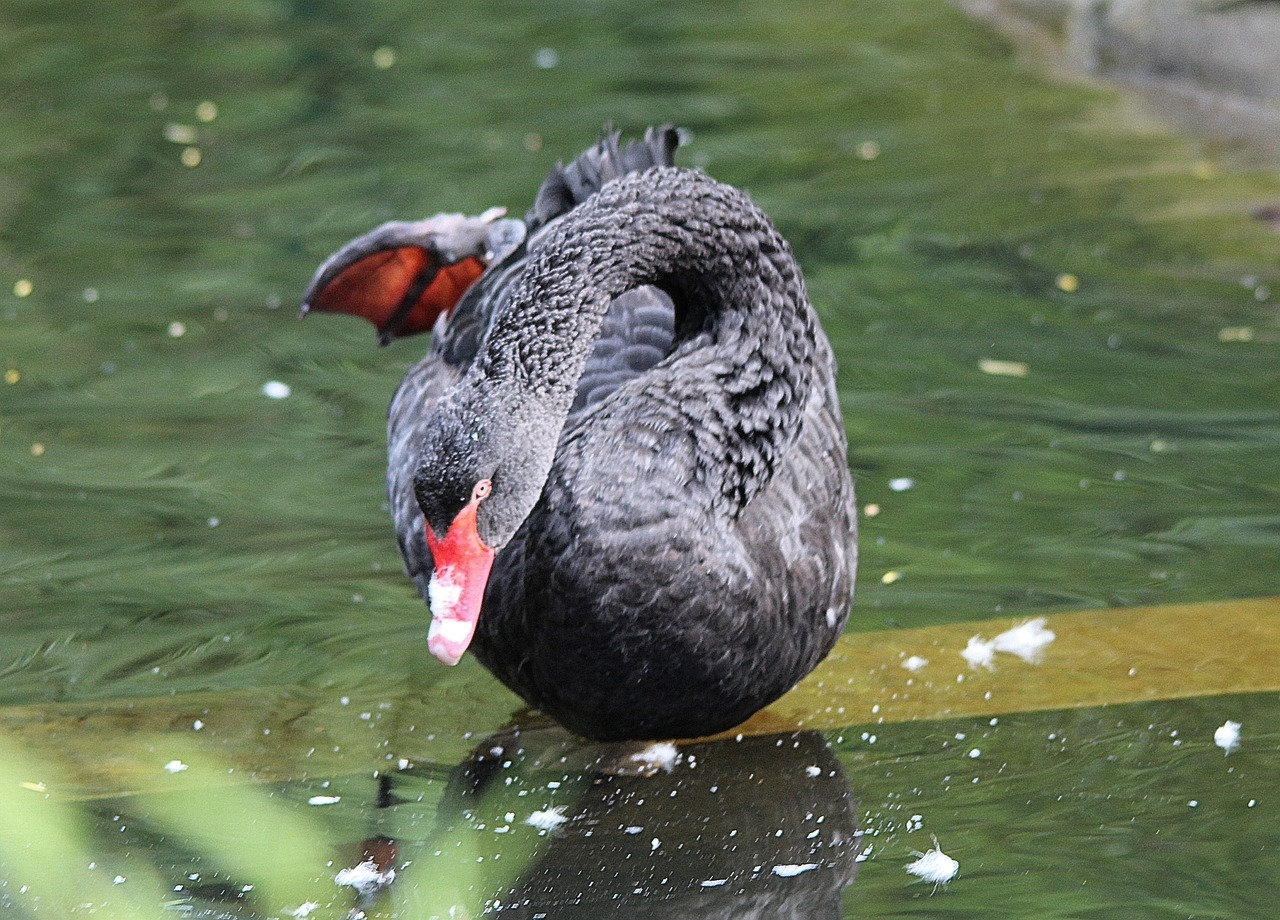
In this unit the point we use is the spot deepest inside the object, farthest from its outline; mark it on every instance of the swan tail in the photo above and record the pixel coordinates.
(568, 186)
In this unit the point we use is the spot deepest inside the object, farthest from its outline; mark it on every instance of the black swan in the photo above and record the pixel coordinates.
(619, 475)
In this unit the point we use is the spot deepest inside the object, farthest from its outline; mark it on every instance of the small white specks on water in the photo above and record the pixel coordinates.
(547, 819)
(90, 295)
(1227, 736)
(915, 663)
(177, 133)
(324, 800)
(546, 58)
(1193, 803)
(813, 770)
(934, 866)
(274, 389)
(365, 877)
(654, 843)
(305, 909)
(661, 755)
(714, 882)
(119, 880)
(975, 754)
(901, 483)
(177, 330)
(1027, 640)
(175, 766)
(980, 653)
(213, 522)
(790, 870)
(1251, 803)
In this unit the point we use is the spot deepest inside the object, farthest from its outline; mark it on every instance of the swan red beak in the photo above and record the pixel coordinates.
(462, 564)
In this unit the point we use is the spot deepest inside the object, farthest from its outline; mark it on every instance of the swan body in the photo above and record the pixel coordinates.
(619, 475)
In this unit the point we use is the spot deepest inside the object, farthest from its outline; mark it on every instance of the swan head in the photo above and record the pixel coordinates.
(479, 475)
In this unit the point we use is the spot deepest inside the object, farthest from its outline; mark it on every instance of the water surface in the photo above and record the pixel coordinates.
(190, 568)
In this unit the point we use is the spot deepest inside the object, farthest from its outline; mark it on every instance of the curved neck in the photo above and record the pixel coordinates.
(749, 367)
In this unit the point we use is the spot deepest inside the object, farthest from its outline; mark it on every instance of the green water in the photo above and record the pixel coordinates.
(170, 175)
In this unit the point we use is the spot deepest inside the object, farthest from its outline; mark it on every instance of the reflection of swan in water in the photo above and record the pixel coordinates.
(538, 824)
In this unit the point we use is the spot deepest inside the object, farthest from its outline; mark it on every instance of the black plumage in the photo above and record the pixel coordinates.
(646, 384)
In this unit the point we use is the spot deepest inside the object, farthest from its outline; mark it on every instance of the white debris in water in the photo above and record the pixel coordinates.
(547, 819)
(934, 866)
(661, 755)
(1227, 736)
(980, 653)
(365, 878)
(901, 484)
(306, 909)
(274, 389)
(1027, 640)
(714, 882)
(790, 870)
(813, 770)
(444, 591)
(175, 766)
(324, 800)
(915, 663)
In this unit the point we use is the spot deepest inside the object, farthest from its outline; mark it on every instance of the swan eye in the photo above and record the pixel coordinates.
(481, 489)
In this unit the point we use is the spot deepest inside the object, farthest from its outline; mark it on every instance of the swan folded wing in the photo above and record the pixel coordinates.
(638, 331)
(404, 275)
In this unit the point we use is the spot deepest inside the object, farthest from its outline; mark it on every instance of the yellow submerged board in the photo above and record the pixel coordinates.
(1094, 658)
